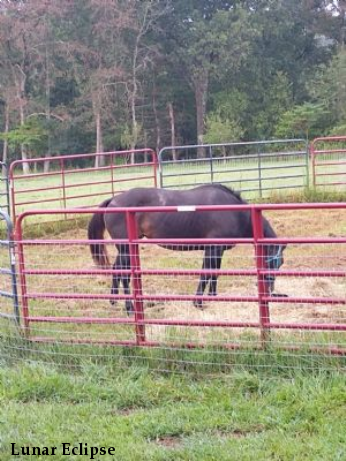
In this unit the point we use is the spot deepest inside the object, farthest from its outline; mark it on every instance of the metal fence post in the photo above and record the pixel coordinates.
(22, 277)
(12, 271)
(211, 164)
(307, 156)
(136, 276)
(263, 305)
(259, 163)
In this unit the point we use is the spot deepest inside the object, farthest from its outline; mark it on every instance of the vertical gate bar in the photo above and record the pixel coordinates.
(264, 312)
(259, 170)
(155, 165)
(313, 163)
(136, 276)
(63, 184)
(13, 273)
(22, 278)
(307, 169)
(12, 255)
(112, 173)
(160, 162)
(12, 193)
(211, 164)
(14, 279)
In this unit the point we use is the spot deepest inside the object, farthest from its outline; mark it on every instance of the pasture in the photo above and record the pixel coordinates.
(178, 404)
(156, 416)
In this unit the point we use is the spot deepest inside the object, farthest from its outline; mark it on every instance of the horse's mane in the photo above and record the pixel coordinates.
(229, 190)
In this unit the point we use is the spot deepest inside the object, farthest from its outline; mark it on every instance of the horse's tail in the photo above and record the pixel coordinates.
(96, 230)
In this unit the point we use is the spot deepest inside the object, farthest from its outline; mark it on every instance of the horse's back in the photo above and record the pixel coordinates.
(184, 224)
(203, 195)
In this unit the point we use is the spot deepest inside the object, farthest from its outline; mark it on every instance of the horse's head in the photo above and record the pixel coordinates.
(274, 260)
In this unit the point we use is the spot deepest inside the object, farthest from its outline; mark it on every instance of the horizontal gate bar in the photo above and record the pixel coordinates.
(189, 323)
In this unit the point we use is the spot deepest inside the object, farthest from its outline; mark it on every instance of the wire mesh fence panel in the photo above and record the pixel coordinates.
(78, 180)
(258, 169)
(9, 308)
(69, 313)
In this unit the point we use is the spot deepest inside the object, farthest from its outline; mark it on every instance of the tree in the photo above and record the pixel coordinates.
(305, 121)
(31, 134)
(224, 123)
(204, 42)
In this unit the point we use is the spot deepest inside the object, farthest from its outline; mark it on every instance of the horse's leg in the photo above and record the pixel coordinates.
(208, 262)
(122, 262)
(116, 279)
(216, 264)
(125, 262)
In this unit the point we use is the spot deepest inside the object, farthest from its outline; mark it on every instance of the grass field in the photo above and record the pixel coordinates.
(156, 416)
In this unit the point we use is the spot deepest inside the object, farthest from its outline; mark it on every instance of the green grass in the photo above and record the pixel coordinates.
(153, 416)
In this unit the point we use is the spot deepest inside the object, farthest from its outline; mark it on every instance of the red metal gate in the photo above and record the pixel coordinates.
(328, 157)
(67, 182)
(61, 292)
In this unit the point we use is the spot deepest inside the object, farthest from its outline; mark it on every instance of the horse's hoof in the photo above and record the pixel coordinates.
(150, 304)
(198, 305)
(279, 295)
(130, 310)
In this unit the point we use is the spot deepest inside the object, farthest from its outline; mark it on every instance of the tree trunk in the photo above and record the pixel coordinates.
(157, 121)
(172, 122)
(20, 89)
(99, 159)
(201, 92)
(97, 104)
(48, 112)
(6, 130)
(23, 148)
(134, 124)
(342, 12)
(5, 144)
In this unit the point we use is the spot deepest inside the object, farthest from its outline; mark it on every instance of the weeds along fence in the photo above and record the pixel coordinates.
(72, 181)
(65, 309)
(328, 159)
(257, 169)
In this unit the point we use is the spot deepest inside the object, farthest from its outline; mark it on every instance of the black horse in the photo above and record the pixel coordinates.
(187, 225)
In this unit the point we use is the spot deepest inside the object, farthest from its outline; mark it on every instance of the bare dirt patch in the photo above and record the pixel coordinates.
(169, 441)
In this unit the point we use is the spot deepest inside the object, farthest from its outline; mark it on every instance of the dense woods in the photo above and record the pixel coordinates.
(98, 75)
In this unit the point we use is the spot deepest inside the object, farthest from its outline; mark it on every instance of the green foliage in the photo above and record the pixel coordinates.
(244, 63)
(32, 134)
(329, 88)
(302, 121)
(338, 130)
(220, 130)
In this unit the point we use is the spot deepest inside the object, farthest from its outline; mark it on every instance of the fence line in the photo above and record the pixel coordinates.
(328, 157)
(258, 167)
(66, 185)
(83, 295)
(9, 307)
